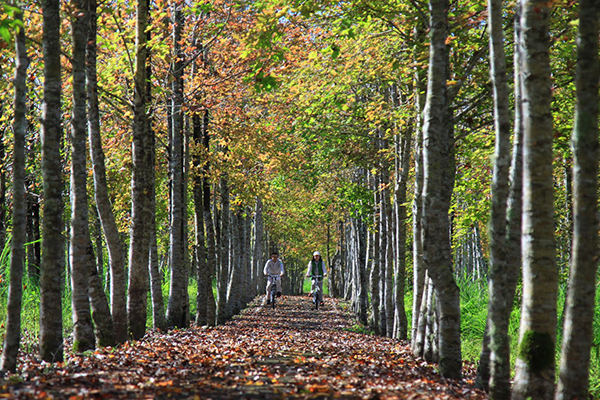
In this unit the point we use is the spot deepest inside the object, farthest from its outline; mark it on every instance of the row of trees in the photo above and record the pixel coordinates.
(310, 125)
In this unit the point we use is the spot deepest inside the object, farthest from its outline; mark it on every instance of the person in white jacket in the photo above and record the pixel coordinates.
(316, 267)
(274, 266)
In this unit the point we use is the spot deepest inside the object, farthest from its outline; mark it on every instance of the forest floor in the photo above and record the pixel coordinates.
(291, 351)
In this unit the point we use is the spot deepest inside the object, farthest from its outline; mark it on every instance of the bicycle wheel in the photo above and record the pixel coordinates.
(316, 298)
(273, 298)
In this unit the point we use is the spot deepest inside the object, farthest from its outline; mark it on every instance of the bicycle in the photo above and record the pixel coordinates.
(273, 293)
(317, 289)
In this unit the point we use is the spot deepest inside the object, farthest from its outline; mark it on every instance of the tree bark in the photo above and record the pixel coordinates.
(139, 238)
(104, 327)
(225, 238)
(534, 369)
(114, 244)
(573, 381)
(12, 338)
(402, 152)
(53, 259)
(438, 162)
(177, 305)
(417, 214)
(495, 357)
(82, 318)
(211, 248)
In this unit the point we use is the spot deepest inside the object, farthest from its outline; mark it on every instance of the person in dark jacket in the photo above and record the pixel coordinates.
(316, 267)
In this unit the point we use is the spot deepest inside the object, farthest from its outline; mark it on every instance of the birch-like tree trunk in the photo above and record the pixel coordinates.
(387, 250)
(225, 236)
(203, 285)
(114, 244)
(534, 369)
(417, 215)
(103, 322)
(573, 382)
(177, 306)
(80, 272)
(137, 294)
(402, 156)
(211, 248)
(495, 356)
(234, 292)
(258, 258)
(12, 338)
(438, 182)
(53, 259)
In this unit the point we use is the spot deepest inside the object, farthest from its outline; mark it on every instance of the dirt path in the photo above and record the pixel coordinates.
(290, 352)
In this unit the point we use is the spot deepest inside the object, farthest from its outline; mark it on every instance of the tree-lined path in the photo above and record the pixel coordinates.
(289, 352)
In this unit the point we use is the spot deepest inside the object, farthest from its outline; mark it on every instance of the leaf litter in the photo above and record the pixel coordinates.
(291, 352)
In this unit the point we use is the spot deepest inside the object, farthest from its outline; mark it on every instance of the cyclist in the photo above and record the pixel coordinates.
(316, 267)
(274, 266)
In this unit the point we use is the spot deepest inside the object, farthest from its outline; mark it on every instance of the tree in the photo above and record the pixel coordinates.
(495, 361)
(114, 244)
(139, 244)
(438, 181)
(80, 236)
(177, 308)
(53, 259)
(534, 369)
(573, 382)
(13, 322)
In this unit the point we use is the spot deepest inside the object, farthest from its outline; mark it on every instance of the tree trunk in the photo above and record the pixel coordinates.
(12, 337)
(114, 244)
(53, 259)
(211, 248)
(387, 250)
(534, 369)
(402, 152)
(177, 306)
(203, 285)
(104, 328)
(225, 236)
(139, 239)
(438, 161)
(258, 258)
(417, 214)
(82, 318)
(495, 359)
(573, 382)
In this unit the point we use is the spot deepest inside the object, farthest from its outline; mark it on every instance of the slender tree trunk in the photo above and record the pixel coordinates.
(234, 294)
(178, 288)
(203, 285)
(387, 251)
(225, 235)
(417, 214)
(114, 244)
(211, 248)
(104, 328)
(495, 356)
(82, 318)
(578, 331)
(53, 259)
(402, 151)
(534, 370)
(12, 338)
(258, 253)
(139, 239)
(438, 161)
(418, 345)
